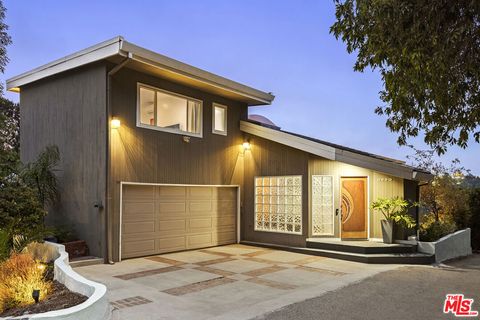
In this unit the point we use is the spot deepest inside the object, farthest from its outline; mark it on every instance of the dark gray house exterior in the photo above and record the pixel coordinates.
(159, 156)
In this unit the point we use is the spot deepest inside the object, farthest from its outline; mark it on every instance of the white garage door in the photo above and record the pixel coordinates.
(160, 219)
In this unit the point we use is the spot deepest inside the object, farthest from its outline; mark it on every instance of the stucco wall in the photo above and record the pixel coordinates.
(455, 245)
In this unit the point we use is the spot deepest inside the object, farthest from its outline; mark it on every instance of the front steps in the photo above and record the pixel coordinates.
(85, 261)
(359, 246)
(372, 256)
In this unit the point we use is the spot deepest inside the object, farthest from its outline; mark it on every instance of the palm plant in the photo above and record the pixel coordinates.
(40, 175)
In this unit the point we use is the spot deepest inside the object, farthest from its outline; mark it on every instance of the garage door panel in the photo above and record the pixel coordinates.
(168, 193)
(138, 207)
(171, 207)
(199, 240)
(225, 193)
(138, 192)
(200, 224)
(177, 225)
(225, 207)
(221, 221)
(226, 237)
(139, 227)
(138, 217)
(200, 206)
(200, 192)
(136, 248)
(171, 244)
(175, 218)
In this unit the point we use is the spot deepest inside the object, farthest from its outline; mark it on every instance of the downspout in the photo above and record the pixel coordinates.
(109, 233)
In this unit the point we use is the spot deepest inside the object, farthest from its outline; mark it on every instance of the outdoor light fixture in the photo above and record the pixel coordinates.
(246, 145)
(116, 123)
(36, 295)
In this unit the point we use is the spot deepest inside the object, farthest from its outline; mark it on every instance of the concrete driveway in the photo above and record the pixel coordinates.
(227, 282)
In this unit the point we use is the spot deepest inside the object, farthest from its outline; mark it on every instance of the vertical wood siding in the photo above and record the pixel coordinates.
(68, 110)
(151, 156)
(380, 185)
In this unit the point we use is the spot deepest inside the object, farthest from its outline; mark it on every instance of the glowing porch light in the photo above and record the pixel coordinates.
(116, 123)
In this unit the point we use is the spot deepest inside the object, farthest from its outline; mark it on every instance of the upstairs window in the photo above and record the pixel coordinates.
(219, 119)
(169, 112)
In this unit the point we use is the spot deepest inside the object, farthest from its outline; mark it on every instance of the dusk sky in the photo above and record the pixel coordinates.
(280, 46)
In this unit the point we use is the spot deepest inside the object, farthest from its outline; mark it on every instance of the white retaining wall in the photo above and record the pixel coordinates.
(454, 245)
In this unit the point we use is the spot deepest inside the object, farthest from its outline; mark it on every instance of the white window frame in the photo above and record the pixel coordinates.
(169, 130)
(225, 119)
(333, 205)
(293, 232)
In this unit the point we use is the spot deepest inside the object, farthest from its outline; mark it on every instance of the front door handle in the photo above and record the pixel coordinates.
(337, 211)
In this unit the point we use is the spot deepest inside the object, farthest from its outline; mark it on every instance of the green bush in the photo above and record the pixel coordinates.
(64, 233)
(432, 230)
(474, 224)
(4, 245)
(21, 214)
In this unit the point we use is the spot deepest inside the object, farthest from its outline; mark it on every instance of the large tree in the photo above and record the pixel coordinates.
(428, 54)
(5, 40)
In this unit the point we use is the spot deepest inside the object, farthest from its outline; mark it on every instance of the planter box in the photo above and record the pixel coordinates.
(454, 245)
(97, 306)
(76, 248)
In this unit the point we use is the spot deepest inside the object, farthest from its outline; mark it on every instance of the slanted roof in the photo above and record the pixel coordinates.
(118, 49)
(336, 152)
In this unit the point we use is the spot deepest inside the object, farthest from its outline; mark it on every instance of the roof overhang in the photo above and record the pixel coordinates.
(117, 49)
(391, 167)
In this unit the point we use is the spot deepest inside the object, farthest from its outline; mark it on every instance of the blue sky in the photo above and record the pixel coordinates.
(278, 46)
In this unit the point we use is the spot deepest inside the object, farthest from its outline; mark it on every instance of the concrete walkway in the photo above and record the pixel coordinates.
(405, 293)
(227, 282)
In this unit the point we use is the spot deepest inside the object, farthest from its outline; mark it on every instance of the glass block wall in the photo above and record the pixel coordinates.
(322, 205)
(278, 204)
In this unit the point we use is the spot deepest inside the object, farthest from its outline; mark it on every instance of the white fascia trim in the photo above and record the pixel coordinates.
(289, 140)
(176, 67)
(91, 54)
(331, 153)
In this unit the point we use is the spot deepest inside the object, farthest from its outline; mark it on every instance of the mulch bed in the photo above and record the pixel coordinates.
(60, 298)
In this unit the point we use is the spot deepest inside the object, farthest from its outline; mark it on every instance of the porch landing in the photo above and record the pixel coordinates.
(359, 246)
(358, 251)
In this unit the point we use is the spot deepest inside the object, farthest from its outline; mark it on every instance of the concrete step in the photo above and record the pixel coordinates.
(372, 258)
(85, 261)
(364, 247)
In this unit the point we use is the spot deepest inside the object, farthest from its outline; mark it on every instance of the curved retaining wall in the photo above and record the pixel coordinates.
(454, 245)
(96, 307)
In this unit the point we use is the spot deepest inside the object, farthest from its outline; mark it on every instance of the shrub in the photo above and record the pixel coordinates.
(21, 214)
(4, 245)
(41, 252)
(19, 276)
(432, 230)
(64, 233)
(474, 208)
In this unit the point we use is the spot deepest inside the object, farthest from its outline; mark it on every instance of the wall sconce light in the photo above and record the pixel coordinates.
(115, 123)
(246, 145)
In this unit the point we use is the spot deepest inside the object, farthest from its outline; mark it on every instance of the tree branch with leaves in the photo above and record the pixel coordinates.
(428, 55)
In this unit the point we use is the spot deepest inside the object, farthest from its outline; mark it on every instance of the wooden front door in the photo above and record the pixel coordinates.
(354, 207)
